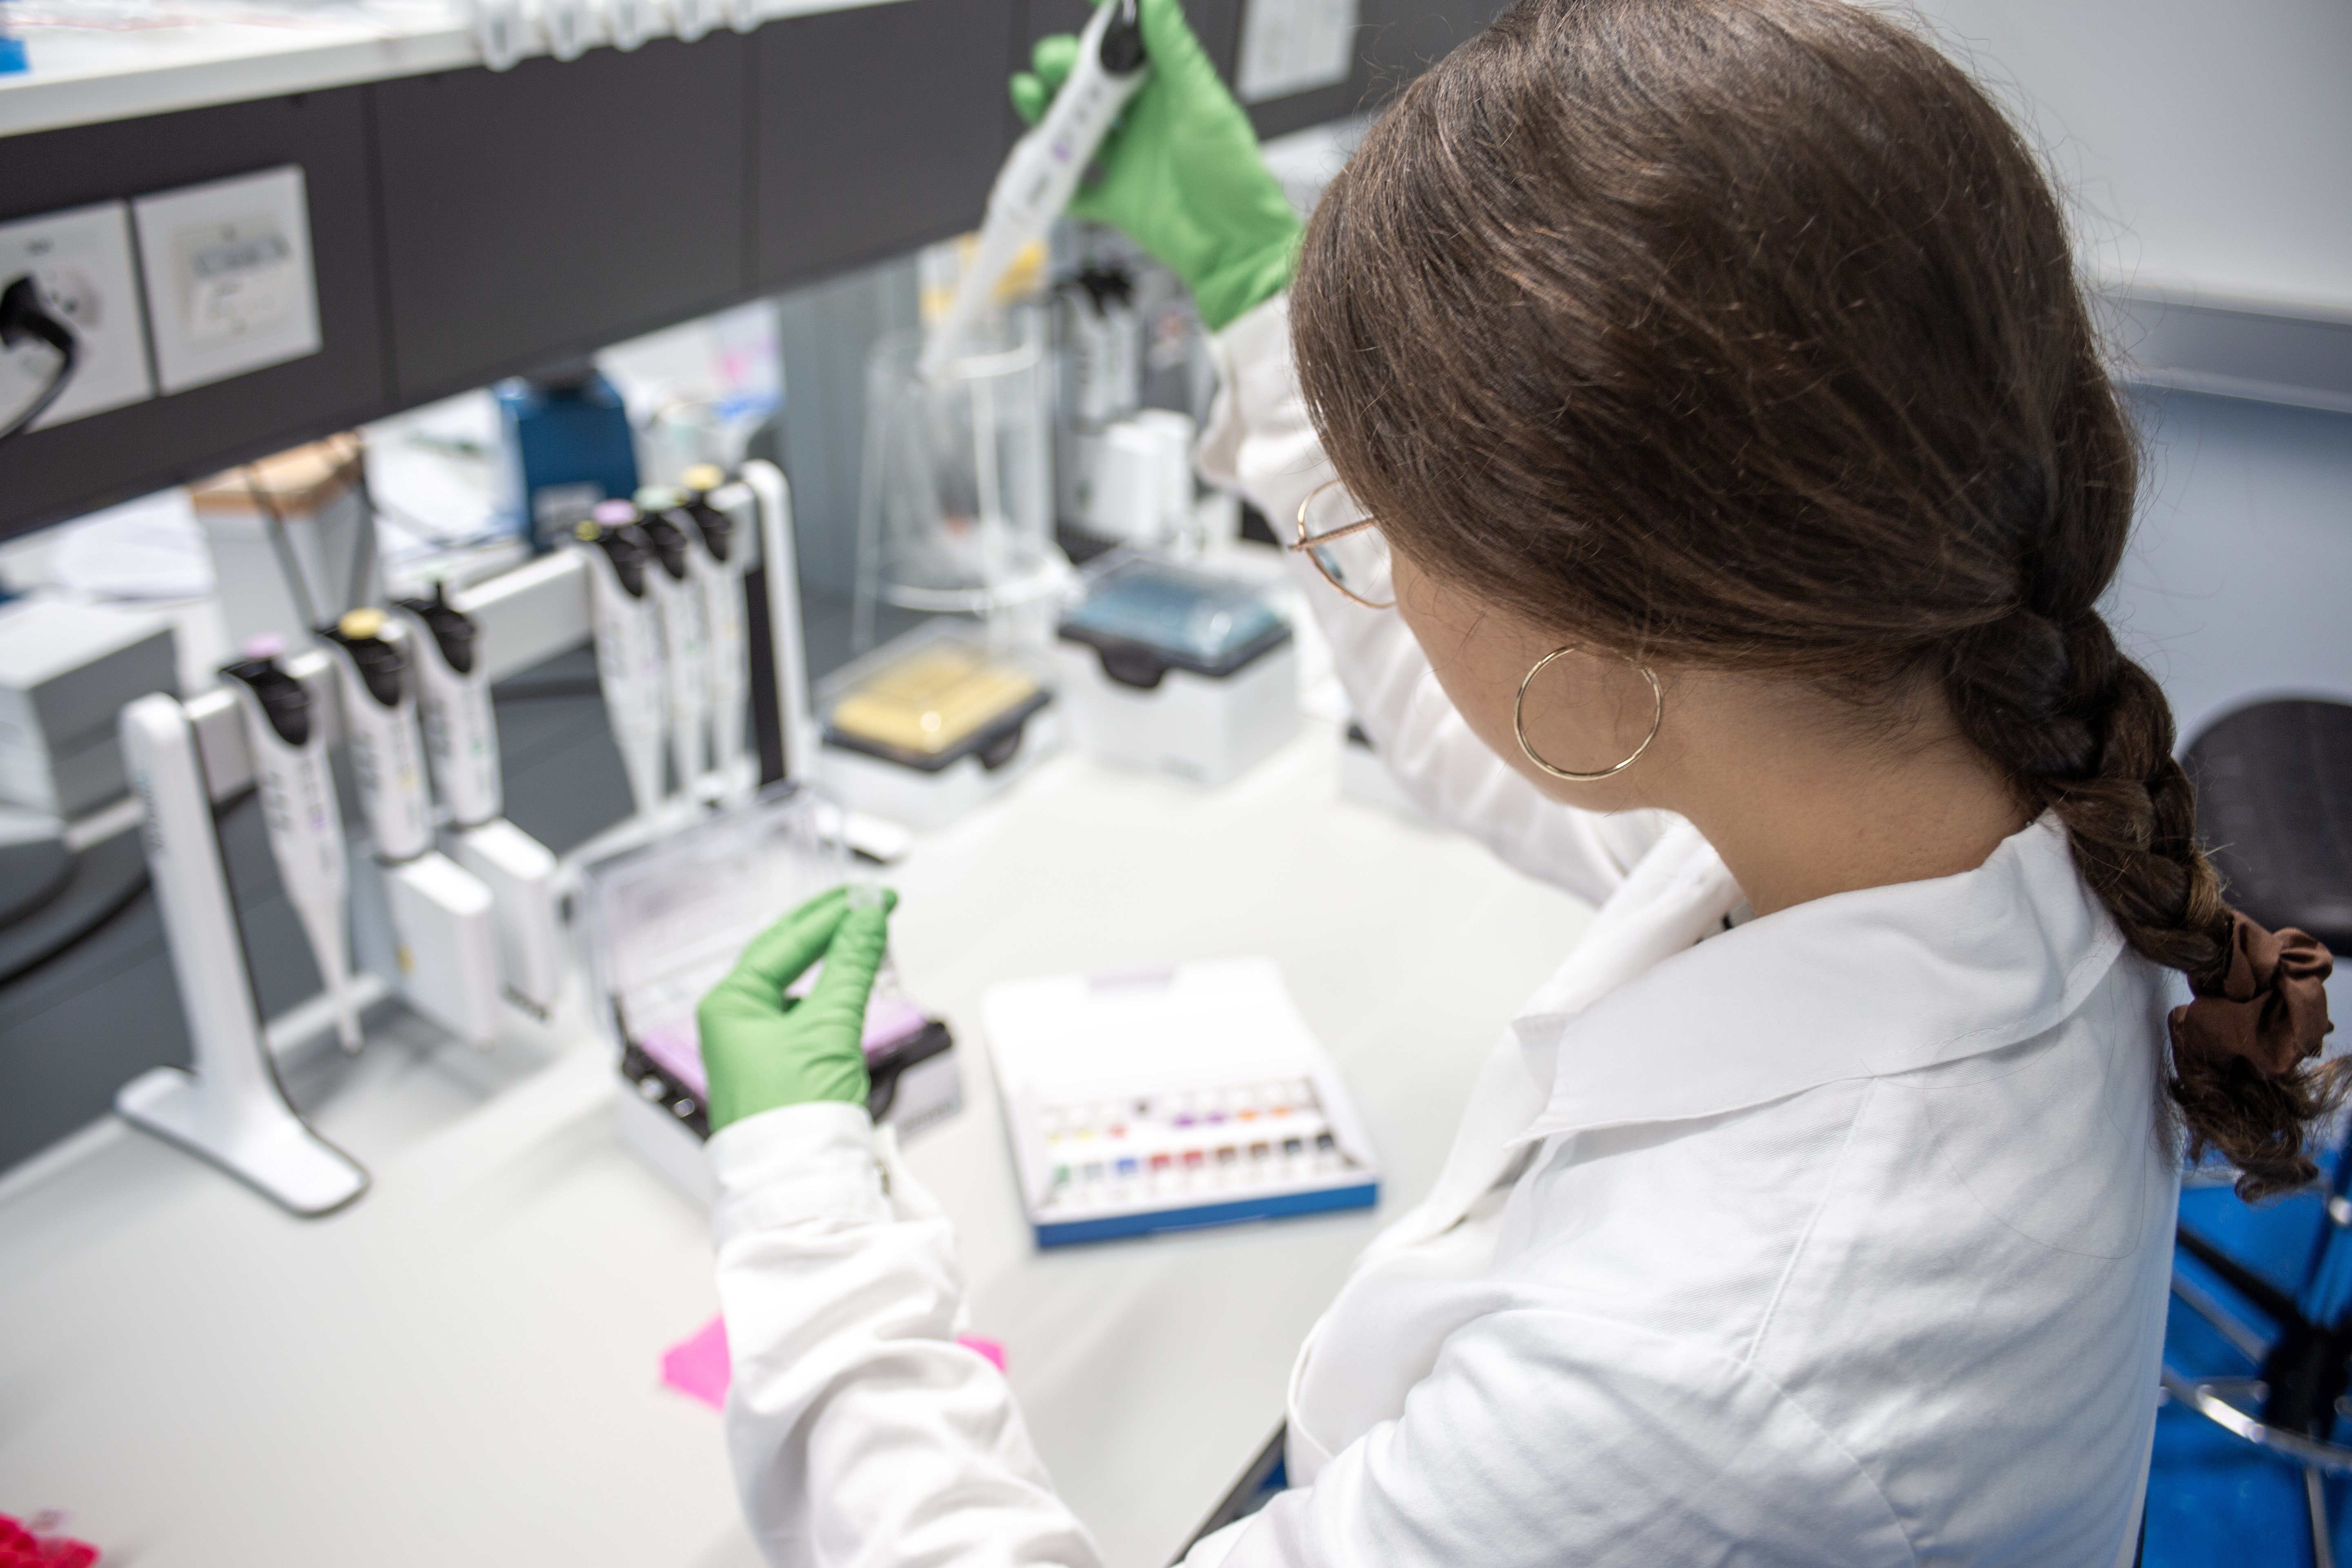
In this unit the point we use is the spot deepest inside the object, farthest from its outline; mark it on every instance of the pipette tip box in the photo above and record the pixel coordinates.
(1171, 667)
(929, 725)
(1170, 1100)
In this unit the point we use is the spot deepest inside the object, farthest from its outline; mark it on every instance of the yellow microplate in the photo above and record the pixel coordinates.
(932, 700)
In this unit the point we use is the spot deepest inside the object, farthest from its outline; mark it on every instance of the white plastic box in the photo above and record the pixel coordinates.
(1177, 669)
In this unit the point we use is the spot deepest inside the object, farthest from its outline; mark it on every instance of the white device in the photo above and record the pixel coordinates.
(499, 31)
(285, 731)
(445, 922)
(567, 25)
(230, 1109)
(628, 642)
(453, 699)
(228, 277)
(380, 728)
(719, 555)
(629, 23)
(677, 601)
(1044, 167)
(519, 873)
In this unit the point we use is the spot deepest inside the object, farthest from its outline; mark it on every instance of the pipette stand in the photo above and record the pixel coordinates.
(780, 556)
(231, 1109)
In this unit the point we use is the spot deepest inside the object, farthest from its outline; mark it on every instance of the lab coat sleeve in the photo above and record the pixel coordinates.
(1554, 1438)
(860, 1431)
(1261, 442)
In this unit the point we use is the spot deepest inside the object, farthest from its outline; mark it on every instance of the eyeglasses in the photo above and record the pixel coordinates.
(1346, 546)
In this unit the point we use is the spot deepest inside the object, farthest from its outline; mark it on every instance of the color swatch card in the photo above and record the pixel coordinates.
(1170, 1098)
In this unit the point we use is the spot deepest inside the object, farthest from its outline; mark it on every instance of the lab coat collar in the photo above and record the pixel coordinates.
(1861, 985)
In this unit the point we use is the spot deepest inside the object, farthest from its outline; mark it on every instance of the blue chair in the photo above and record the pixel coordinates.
(2258, 1350)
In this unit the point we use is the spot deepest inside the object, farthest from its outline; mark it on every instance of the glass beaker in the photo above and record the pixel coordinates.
(955, 507)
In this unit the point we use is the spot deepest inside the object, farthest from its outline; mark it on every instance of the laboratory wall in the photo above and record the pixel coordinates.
(2209, 146)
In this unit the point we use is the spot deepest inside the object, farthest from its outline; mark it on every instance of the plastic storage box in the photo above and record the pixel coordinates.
(930, 724)
(1177, 669)
(665, 921)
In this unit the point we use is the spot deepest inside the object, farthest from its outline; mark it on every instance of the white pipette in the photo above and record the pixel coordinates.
(297, 802)
(380, 728)
(453, 699)
(719, 558)
(1044, 167)
(628, 642)
(677, 595)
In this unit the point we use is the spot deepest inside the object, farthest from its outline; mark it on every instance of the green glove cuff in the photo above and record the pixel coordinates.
(1236, 288)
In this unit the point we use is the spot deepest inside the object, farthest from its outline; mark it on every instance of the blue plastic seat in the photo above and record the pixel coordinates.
(2253, 1447)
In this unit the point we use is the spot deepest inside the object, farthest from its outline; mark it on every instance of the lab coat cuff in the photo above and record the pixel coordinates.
(797, 1165)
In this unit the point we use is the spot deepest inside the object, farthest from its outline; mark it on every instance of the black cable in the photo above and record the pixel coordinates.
(273, 525)
(24, 319)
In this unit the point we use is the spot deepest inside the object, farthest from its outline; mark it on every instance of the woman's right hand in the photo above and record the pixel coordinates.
(1181, 171)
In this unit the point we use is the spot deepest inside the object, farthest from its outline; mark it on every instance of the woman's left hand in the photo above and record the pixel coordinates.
(762, 1049)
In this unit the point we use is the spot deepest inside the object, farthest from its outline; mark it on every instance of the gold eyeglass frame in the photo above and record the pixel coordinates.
(1305, 545)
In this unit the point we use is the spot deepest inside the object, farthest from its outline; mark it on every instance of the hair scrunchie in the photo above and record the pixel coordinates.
(2269, 1005)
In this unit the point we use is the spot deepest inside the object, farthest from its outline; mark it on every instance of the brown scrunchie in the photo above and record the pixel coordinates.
(2270, 1005)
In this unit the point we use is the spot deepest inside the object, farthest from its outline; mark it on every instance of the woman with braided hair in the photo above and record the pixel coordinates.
(1705, 473)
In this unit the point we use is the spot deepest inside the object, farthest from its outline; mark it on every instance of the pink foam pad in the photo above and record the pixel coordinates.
(698, 1366)
(264, 644)
(988, 1350)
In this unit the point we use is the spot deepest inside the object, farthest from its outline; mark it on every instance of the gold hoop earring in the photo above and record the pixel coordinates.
(1519, 720)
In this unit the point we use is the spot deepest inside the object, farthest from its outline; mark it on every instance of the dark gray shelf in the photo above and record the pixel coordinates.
(468, 225)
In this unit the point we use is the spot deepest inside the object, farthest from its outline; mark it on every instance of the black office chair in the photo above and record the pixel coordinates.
(2274, 810)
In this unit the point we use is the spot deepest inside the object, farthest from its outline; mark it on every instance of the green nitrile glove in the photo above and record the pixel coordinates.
(759, 1048)
(1181, 171)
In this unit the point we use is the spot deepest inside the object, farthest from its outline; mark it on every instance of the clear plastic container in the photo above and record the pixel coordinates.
(665, 921)
(955, 507)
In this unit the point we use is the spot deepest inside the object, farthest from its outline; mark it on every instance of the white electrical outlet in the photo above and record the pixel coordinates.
(82, 262)
(230, 282)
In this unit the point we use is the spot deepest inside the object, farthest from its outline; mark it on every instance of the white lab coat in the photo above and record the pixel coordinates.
(1840, 1236)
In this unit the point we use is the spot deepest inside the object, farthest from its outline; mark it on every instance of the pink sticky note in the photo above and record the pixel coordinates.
(698, 1367)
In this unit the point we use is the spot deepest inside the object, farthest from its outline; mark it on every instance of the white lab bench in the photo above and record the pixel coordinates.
(463, 1368)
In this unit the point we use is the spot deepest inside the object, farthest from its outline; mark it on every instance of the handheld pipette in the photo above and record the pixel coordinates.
(1044, 167)
(298, 802)
(719, 559)
(628, 642)
(453, 696)
(678, 596)
(379, 716)
(453, 691)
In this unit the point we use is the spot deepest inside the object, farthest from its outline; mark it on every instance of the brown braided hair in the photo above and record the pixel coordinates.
(1745, 333)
